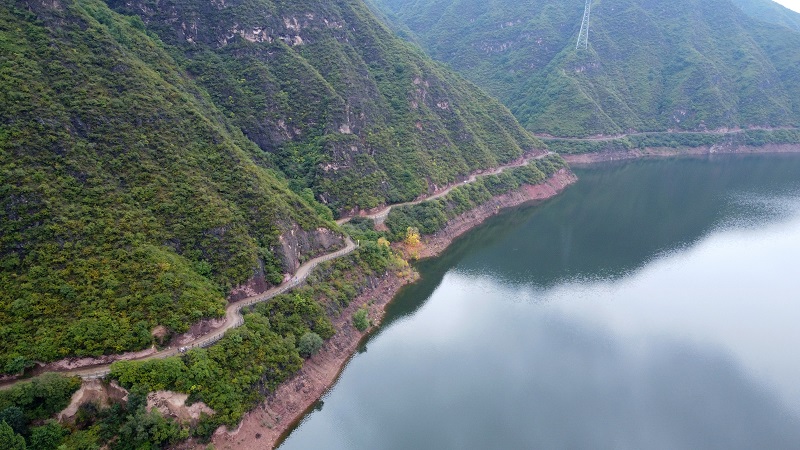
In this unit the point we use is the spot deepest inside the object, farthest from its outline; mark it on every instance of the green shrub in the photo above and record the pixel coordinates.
(360, 320)
(309, 344)
(9, 440)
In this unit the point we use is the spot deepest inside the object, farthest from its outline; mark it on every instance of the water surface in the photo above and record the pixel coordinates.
(652, 305)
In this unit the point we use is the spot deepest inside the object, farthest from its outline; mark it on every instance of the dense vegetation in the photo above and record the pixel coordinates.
(652, 65)
(150, 162)
(235, 374)
(230, 376)
(127, 201)
(431, 216)
(346, 109)
(122, 426)
(25, 407)
(771, 12)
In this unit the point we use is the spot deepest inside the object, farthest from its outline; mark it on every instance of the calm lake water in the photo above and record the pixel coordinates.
(653, 305)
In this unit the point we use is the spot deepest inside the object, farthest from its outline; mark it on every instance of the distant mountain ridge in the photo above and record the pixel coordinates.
(770, 12)
(652, 65)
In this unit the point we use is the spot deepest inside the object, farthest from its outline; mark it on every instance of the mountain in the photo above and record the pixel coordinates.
(127, 199)
(771, 12)
(651, 65)
(152, 162)
(330, 94)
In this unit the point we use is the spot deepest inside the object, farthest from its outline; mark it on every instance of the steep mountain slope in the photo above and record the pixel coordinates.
(770, 12)
(340, 104)
(651, 65)
(126, 199)
(147, 168)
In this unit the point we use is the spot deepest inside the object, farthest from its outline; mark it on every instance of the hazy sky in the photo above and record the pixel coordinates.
(791, 4)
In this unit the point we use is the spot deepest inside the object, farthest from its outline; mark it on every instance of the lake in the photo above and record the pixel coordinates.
(654, 304)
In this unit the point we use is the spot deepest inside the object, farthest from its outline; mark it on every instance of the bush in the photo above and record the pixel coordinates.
(9, 440)
(48, 436)
(360, 320)
(309, 344)
(41, 397)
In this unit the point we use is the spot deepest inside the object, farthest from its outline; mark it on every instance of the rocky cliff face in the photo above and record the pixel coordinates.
(294, 248)
(298, 246)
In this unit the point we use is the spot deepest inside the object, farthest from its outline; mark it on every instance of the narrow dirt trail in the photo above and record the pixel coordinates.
(381, 215)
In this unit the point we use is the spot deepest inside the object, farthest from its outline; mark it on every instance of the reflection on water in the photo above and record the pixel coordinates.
(653, 305)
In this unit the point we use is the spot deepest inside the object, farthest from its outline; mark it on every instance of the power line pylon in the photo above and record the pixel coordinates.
(583, 36)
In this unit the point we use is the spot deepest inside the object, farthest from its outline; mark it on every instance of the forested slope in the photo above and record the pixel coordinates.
(771, 12)
(651, 65)
(340, 104)
(127, 201)
(152, 162)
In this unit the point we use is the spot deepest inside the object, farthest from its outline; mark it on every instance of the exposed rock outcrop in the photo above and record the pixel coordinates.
(298, 246)
(295, 247)
(93, 391)
(173, 404)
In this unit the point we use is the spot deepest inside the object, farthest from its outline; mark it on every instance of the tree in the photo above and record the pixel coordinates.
(412, 238)
(309, 344)
(10, 440)
(16, 365)
(48, 436)
(14, 416)
(148, 430)
(360, 320)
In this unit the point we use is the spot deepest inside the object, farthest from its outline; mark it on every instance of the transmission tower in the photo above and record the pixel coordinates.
(583, 36)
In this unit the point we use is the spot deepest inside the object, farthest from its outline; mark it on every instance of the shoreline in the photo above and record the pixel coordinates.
(268, 424)
(584, 159)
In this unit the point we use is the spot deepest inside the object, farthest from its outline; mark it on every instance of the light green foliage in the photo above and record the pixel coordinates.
(309, 344)
(685, 65)
(48, 436)
(41, 397)
(229, 377)
(249, 362)
(360, 320)
(144, 429)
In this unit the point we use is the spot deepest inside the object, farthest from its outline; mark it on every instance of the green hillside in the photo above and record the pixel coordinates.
(150, 164)
(652, 65)
(340, 104)
(128, 201)
(771, 12)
